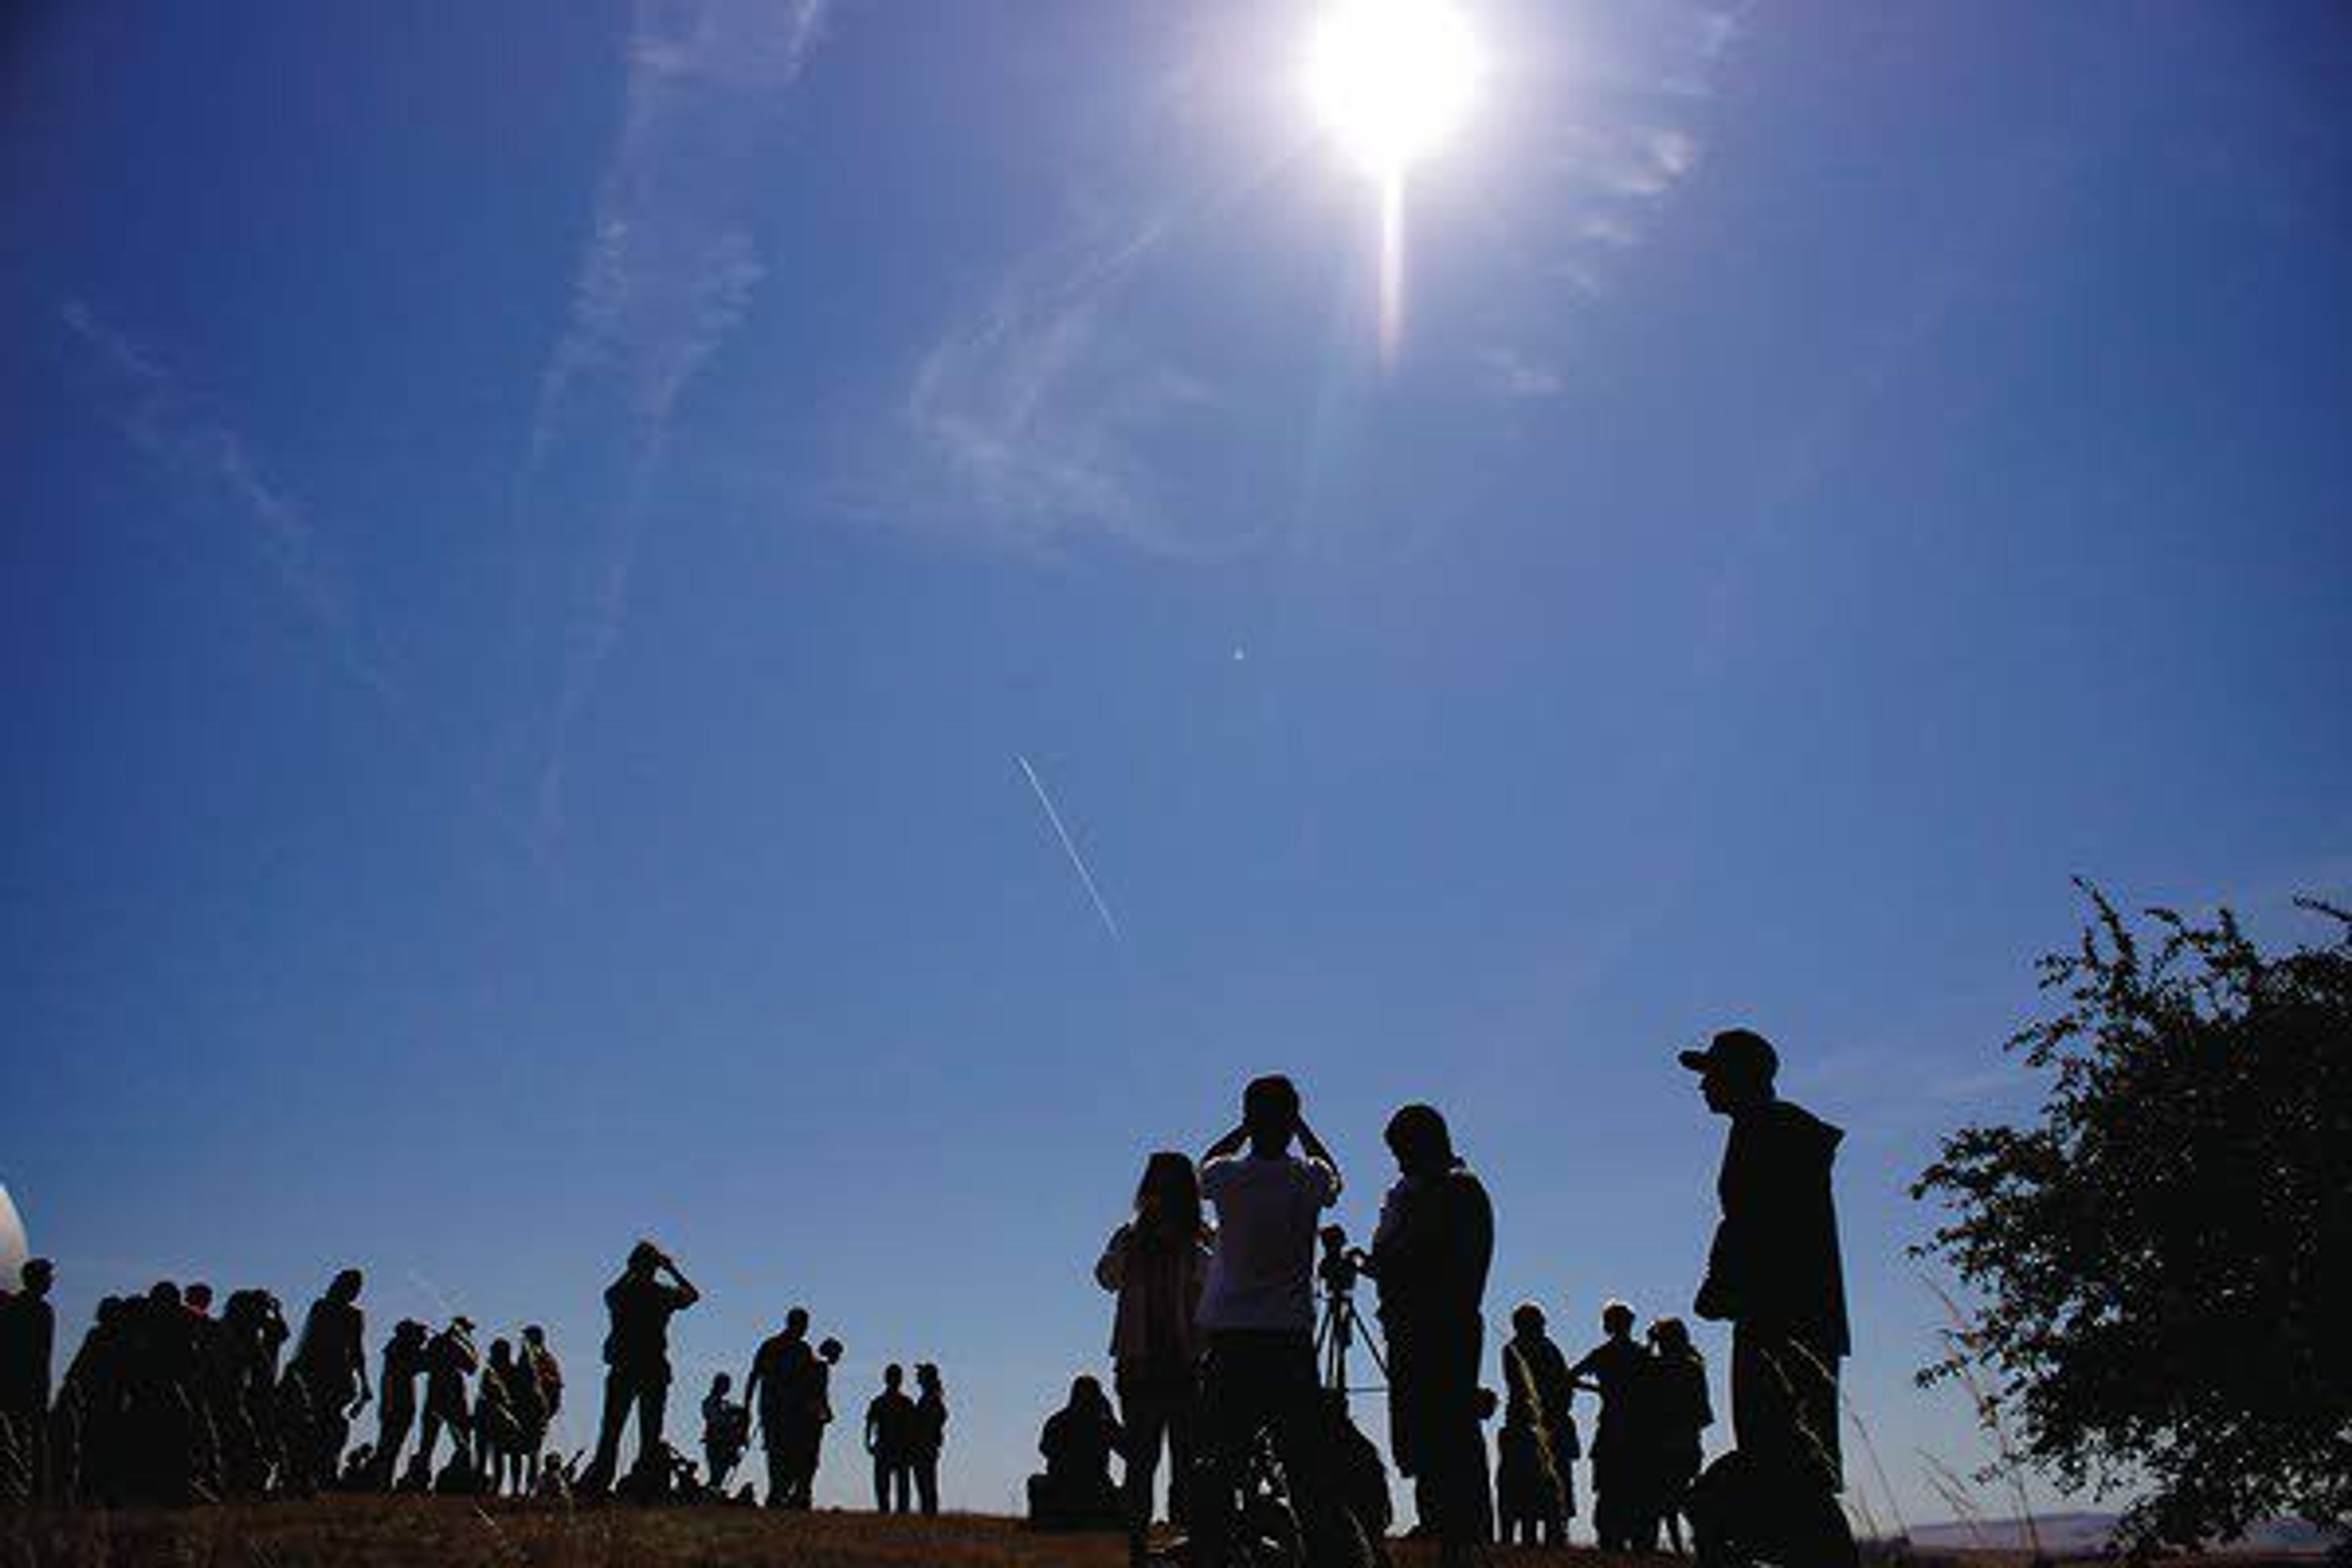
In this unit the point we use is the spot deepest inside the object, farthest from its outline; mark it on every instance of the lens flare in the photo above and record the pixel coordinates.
(1391, 79)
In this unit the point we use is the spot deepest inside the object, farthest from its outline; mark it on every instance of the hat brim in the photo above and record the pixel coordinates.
(1698, 1061)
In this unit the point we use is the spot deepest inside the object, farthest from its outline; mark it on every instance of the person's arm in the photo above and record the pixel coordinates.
(1312, 1147)
(873, 1424)
(359, 1361)
(1229, 1144)
(686, 1294)
(1388, 1236)
(1110, 1270)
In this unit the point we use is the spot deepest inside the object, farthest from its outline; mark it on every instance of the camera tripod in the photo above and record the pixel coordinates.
(1336, 1334)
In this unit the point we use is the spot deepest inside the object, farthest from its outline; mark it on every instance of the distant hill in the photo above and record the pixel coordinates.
(2086, 1534)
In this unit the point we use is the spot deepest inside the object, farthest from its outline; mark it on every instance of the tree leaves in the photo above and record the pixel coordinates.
(2163, 1259)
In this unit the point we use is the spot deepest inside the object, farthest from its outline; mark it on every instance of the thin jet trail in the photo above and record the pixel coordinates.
(1069, 848)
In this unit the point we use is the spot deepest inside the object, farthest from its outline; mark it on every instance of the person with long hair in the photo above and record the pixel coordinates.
(1155, 1264)
(1683, 1411)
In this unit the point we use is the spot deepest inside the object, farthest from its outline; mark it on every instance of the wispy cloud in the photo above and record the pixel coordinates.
(1033, 414)
(1516, 374)
(1618, 138)
(667, 275)
(171, 425)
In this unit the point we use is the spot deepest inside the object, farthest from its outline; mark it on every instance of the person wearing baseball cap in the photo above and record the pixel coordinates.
(1774, 1274)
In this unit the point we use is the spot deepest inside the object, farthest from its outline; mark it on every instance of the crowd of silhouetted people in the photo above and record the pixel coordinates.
(1228, 1360)
(168, 1403)
(1229, 1348)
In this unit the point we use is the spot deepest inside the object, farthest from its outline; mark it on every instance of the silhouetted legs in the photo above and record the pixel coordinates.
(1265, 1382)
(394, 1419)
(893, 1485)
(1153, 1410)
(792, 1453)
(623, 1389)
(1784, 1416)
(926, 1483)
(1434, 1407)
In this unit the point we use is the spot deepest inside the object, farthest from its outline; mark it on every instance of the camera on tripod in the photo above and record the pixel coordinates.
(1342, 1265)
(1341, 1324)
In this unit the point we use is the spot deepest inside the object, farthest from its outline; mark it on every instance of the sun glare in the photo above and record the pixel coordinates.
(1390, 79)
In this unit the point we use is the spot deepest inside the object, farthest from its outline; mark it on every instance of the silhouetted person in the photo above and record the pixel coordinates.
(528, 1398)
(890, 1443)
(1680, 1412)
(1430, 1257)
(930, 1436)
(450, 1358)
(509, 1393)
(89, 1430)
(207, 1390)
(160, 1413)
(641, 1303)
(1257, 1309)
(1774, 1274)
(546, 1374)
(395, 1397)
(1540, 1396)
(782, 1391)
(326, 1382)
(1076, 1492)
(1157, 1263)
(1624, 1444)
(809, 1453)
(253, 1333)
(726, 1431)
(28, 1335)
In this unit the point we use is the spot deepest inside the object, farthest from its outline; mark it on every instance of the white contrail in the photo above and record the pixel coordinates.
(1069, 848)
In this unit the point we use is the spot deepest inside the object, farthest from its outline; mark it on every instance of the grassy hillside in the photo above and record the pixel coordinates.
(446, 1532)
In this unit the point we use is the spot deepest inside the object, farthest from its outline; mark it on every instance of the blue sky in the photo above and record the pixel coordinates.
(535, 543)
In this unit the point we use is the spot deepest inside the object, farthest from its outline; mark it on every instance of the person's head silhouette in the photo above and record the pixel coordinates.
(1527, 1320)
(1670, 1336)
(830, 1352)
(1422, 1142)
(502, 1353)
(1270, 1110)
(36, 1276)
(534, 1336)
(796, 1323)
(1167, 1198)
(1736, 1070)
(346, 1286)
(644, 1258)
(720, 1384)
(1616, 1320)
(926, 1377)
(198, 1297)
(893, 1376)
(1085, 1393)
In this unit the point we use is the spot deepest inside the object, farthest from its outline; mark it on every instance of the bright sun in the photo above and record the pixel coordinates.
(1391, 79)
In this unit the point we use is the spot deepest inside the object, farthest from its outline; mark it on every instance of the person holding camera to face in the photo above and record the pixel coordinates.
(641, 1302)
(1257, 1311)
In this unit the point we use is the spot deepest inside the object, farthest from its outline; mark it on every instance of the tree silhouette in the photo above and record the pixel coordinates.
(2163, 1259)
